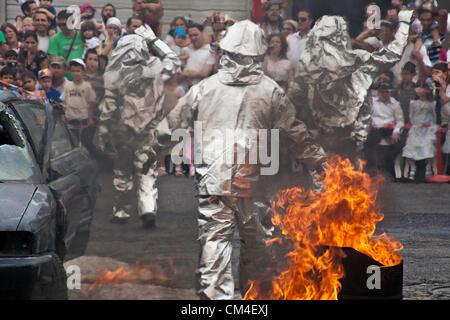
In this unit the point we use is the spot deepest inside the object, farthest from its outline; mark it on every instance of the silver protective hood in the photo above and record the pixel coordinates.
(244, 38)
(332, 80)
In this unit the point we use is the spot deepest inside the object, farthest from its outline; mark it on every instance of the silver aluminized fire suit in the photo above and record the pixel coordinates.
(131, 109)
(240, 99)
(332, 81)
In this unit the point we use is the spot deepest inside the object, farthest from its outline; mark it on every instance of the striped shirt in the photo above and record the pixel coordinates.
(433, 52)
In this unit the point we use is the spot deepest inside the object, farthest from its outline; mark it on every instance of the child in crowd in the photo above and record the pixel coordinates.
(180, 39)
(29, 82)
(94, 76)
(421, 141)
(78, 99)
(45, 80)
(8, 77)
(406, 91)
(11, 59)
(50, 11)
(27, 25)
(89, 33)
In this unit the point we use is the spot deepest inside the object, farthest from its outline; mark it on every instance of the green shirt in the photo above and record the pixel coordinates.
(59, 46)
(2, 37)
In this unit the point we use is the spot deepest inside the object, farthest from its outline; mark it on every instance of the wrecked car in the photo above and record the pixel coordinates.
(48, 190)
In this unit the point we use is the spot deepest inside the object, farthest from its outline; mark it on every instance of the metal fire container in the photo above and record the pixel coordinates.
(363, 282)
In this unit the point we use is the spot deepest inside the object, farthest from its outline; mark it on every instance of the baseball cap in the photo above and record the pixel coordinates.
(44, 73)
(180, 32)
(77, 61)
(85, 6)
(57, 60)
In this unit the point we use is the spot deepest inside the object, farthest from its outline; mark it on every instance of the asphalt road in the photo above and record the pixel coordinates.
(417, 214)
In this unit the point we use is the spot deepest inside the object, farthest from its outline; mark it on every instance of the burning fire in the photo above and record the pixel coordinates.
(344, 214)
(152, 273)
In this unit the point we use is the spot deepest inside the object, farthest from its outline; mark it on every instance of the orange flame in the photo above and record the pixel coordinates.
(152, 273)
(344, 214)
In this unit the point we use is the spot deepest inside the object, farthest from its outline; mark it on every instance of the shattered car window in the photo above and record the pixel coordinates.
(34, 117)
(15, 163)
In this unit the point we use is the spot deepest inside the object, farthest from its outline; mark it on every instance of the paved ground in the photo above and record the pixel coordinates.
(416, 214)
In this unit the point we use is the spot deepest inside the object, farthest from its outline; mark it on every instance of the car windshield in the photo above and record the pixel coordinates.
(15, 161)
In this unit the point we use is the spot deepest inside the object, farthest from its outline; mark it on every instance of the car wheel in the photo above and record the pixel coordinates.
(57, 290)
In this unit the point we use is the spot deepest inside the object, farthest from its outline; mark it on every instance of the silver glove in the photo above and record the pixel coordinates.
(147, 33)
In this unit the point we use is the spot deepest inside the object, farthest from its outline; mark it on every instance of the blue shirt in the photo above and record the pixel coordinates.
(54, 96)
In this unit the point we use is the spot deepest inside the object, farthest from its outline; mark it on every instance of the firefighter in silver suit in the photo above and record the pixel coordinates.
(239, 99)
(331, 83)
(132, 107)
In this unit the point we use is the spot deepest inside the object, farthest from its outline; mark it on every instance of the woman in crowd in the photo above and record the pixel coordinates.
(276, 64)
(114, 30)
(12, 36)
(289, 27)
(30, 57)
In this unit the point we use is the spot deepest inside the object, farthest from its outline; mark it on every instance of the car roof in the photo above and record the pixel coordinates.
(7, 96)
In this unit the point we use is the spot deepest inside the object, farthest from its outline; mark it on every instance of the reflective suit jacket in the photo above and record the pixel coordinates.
(239, 99)
(332, 80)
(134, 85)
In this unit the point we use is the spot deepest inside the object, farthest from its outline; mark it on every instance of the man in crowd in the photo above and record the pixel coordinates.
(297, 41)
(385, 111)
(58, 67)
(272, 20)
(132, 24)
(42, 24)
(201, 62)
(29, 8)
(433, 33)
(68, 43)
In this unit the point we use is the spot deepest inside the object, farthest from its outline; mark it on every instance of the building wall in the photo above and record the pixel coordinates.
(194, 9)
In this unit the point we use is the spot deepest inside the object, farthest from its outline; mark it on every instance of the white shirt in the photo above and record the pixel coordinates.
(43, 42)
(296, 45)
(387, 113)
(198, 59)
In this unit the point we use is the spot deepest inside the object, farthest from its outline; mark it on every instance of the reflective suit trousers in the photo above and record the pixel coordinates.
(217, 219)
(133, 190)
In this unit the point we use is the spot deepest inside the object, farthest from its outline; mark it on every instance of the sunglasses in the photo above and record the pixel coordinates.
(302, 19)
(62, 25)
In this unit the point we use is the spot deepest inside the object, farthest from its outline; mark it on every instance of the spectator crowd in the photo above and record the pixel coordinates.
(42, 56)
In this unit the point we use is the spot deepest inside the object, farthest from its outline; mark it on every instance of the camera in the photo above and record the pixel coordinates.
(214, 46)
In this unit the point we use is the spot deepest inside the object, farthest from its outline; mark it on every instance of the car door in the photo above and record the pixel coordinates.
(65, 167)
(71, 174)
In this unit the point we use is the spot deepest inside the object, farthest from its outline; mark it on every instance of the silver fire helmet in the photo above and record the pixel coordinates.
(244, 38)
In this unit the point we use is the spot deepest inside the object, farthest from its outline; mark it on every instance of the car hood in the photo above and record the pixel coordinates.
(14, 200)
